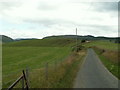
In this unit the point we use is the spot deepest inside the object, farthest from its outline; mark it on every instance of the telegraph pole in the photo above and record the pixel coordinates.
(76, 40)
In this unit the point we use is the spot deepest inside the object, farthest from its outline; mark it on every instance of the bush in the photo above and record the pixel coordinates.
(79, 47)
(82, 41)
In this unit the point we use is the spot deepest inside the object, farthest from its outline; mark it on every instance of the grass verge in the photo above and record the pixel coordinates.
(62, 77)
(110, 65)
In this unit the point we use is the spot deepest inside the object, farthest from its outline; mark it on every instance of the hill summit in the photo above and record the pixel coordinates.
(5, 39)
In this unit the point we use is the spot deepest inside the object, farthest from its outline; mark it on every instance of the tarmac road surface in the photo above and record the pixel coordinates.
(93, 74)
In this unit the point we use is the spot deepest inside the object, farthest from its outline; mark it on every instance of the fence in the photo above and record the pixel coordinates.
(43, 75)
(23, 77)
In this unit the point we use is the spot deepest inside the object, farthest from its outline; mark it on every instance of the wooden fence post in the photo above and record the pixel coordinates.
(22, 82)
(46, 71)
(25, 80)
(27, 75)
(11, 87)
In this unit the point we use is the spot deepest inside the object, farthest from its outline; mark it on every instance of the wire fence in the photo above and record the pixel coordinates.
(41, 75)
(23, 78)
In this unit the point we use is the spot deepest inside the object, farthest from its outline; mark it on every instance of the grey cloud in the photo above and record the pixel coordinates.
(50, 22)
(9, 5)
(45, 22)
(106, 6)
(46, 6)
(102, 27)
(119, 6)
(98, 30)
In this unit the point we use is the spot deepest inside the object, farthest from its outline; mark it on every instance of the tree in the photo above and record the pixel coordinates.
(82, 41)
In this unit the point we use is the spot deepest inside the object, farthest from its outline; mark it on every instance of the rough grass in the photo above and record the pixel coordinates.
(60, 77)
(107, 59)
(112, 56)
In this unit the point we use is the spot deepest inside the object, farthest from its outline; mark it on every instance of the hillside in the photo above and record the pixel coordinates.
(34, 54)
(5, 39)
(61, 40)
(50, 42)
(87, 37)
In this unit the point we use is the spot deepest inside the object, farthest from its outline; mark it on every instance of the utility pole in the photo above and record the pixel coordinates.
(76, 40)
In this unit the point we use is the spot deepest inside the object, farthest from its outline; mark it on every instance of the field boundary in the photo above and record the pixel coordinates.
(22, 78)
(28, 72)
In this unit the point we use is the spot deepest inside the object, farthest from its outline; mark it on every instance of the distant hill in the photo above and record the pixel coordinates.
(49, 42)
(55, 41)
(5, 39)
(87, 37)
(18, 39)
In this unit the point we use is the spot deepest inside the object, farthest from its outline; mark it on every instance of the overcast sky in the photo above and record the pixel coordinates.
(40, 18)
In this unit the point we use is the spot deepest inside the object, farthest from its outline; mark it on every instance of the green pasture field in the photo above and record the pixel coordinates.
(52, 42)
(103, 44)
(15, 59)
(18, 58)
(32, 54)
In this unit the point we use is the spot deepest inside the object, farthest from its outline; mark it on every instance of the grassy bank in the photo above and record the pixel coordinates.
(60, 77)
(113, 67)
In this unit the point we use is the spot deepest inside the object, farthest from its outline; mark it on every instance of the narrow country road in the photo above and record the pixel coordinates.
(93, 74)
